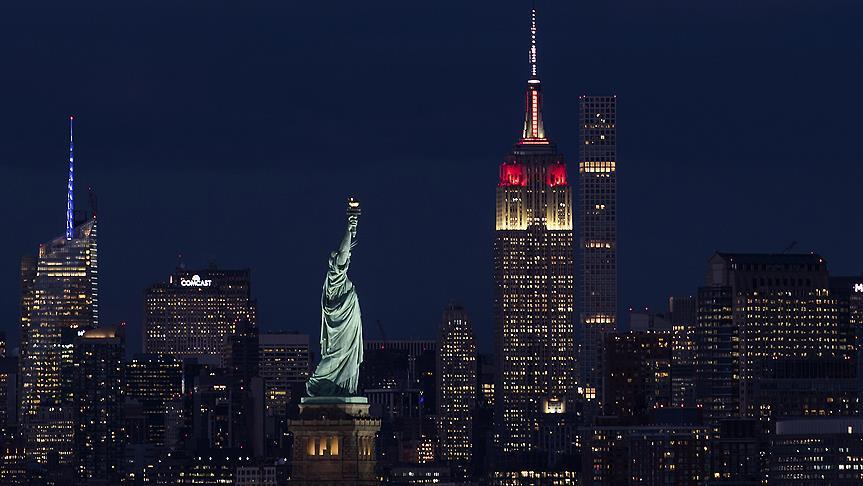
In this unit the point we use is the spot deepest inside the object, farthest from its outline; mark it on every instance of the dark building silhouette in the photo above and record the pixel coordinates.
(637, 367)
(155, 382)
(674, 449)
(816, 451)
(683, 315)
(98, 397)
(737, 453)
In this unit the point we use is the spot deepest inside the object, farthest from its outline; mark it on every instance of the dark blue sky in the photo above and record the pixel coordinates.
(234, 132)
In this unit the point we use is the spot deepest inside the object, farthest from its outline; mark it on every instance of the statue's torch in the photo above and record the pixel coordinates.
(353, 215)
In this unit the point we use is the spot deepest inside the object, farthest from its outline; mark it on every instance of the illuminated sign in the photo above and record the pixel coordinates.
(195, 282)
(858, 287)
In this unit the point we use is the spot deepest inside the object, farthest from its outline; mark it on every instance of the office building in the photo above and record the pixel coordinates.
(98, 398)
(533, 279)
(60, 296)
(191, 314)
(240, 353)
(738, 453)
(456, 385)
(673, 450)
(285, 361)
(770, 341)
(683, 314)
(815, 451)
(597, 168)
(638, 375)
(155, 382)
(8, 394)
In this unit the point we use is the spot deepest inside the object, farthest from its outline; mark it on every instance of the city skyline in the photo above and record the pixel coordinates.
(168, 327)
(130, 157)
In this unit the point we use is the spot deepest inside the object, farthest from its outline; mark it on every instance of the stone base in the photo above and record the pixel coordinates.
(334, 442)
(334, 407)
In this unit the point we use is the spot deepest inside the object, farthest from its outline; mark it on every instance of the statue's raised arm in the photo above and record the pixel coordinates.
(341, 324)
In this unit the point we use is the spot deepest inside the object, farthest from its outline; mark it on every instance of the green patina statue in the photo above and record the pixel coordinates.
(341, 325)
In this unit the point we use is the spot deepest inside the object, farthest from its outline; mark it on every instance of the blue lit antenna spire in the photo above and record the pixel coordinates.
(70, 195)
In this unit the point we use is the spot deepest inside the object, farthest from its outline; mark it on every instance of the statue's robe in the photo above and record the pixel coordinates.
(341, 336)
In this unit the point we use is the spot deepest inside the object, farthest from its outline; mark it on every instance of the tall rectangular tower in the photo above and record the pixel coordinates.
(534, 284)
(597, 237)
(60, 298)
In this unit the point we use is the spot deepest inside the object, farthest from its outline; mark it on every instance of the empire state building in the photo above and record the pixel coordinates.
(533, 273)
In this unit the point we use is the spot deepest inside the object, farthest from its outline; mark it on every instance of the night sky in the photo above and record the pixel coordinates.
(234, 131)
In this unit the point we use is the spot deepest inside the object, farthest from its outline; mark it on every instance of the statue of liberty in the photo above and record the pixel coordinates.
(341, 325)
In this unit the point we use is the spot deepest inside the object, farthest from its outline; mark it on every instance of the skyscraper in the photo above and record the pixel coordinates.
(60, 296)
(154, 382)
(191, 314)
(597, 237)
(98, 394)
(683, 313)
(770, 342)
(456, 390)
(285, 361)
(533, 275)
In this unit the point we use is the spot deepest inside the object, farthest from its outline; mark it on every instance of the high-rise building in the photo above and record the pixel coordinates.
(683, 314)
(673, 450)
(637, 367)
(849, 293)
(456, 385)
(227, 412)
(285, 361)
(533, 275)
(770, 341)
(737, 453)
(597, 167)
(60, 296)
(240, 356)
(8, 393)
(813, 451)
(191, 314)
(98, 357)
(154, 381)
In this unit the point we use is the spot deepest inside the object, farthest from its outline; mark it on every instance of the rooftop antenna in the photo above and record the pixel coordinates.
(533, 70)
(94, 202)
(70, 196)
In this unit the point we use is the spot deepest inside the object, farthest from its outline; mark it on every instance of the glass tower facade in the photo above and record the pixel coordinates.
(59, 299)
(597, 237)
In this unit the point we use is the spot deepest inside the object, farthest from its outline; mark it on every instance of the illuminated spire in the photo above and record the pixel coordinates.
(70, 195)
(533, 132)
(533, 72)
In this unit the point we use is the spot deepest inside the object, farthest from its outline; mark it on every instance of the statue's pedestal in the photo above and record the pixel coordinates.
(334, 442)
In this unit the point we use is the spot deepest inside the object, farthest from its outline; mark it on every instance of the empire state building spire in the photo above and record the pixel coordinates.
(533, 132)
(70, 194)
